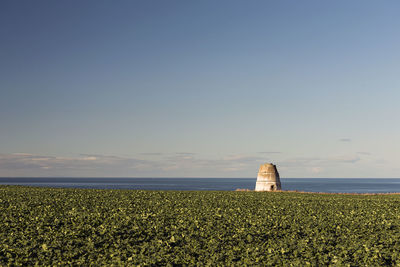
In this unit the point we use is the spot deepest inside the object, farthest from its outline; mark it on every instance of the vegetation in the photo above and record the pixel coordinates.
(49, 226)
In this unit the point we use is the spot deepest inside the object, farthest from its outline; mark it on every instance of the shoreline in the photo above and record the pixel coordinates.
(320, 193)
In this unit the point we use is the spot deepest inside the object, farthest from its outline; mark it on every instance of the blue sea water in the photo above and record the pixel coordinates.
(330, 185)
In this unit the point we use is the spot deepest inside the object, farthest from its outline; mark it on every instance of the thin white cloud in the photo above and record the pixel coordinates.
(228, 163)
(90, 158)
(316, 169)
(22, 154)
(152, 154)
(20, 161)
(182, 163)
(307, 161)
(171, 165)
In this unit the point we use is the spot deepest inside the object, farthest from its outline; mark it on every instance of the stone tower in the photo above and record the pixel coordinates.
(268, 178)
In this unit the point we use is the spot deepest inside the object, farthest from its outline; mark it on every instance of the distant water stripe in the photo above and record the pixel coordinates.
(328, 185)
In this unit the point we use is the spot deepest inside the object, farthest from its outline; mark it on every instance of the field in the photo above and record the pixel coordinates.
(46, 226)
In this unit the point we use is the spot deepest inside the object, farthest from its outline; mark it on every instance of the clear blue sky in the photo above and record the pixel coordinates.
(199, 88)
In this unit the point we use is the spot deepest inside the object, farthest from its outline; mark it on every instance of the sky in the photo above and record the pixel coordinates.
(205, 88)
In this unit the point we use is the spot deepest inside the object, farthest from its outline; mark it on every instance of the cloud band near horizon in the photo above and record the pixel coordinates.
(170, 165)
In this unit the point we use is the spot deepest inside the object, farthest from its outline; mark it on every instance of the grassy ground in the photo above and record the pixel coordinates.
(46, 226)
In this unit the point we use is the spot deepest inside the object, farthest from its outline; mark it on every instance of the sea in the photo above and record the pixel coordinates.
(328, 185)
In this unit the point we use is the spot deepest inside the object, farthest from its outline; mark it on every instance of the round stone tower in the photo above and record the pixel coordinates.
(268, 178)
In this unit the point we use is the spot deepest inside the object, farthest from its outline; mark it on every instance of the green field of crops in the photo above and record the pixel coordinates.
(47, 226)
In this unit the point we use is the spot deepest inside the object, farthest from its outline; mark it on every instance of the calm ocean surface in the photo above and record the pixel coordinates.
(333, 185)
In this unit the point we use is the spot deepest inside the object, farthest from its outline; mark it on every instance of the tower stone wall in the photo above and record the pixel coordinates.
(268, 178)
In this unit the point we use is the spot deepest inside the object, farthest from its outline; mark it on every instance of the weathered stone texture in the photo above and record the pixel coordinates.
(268, 178)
